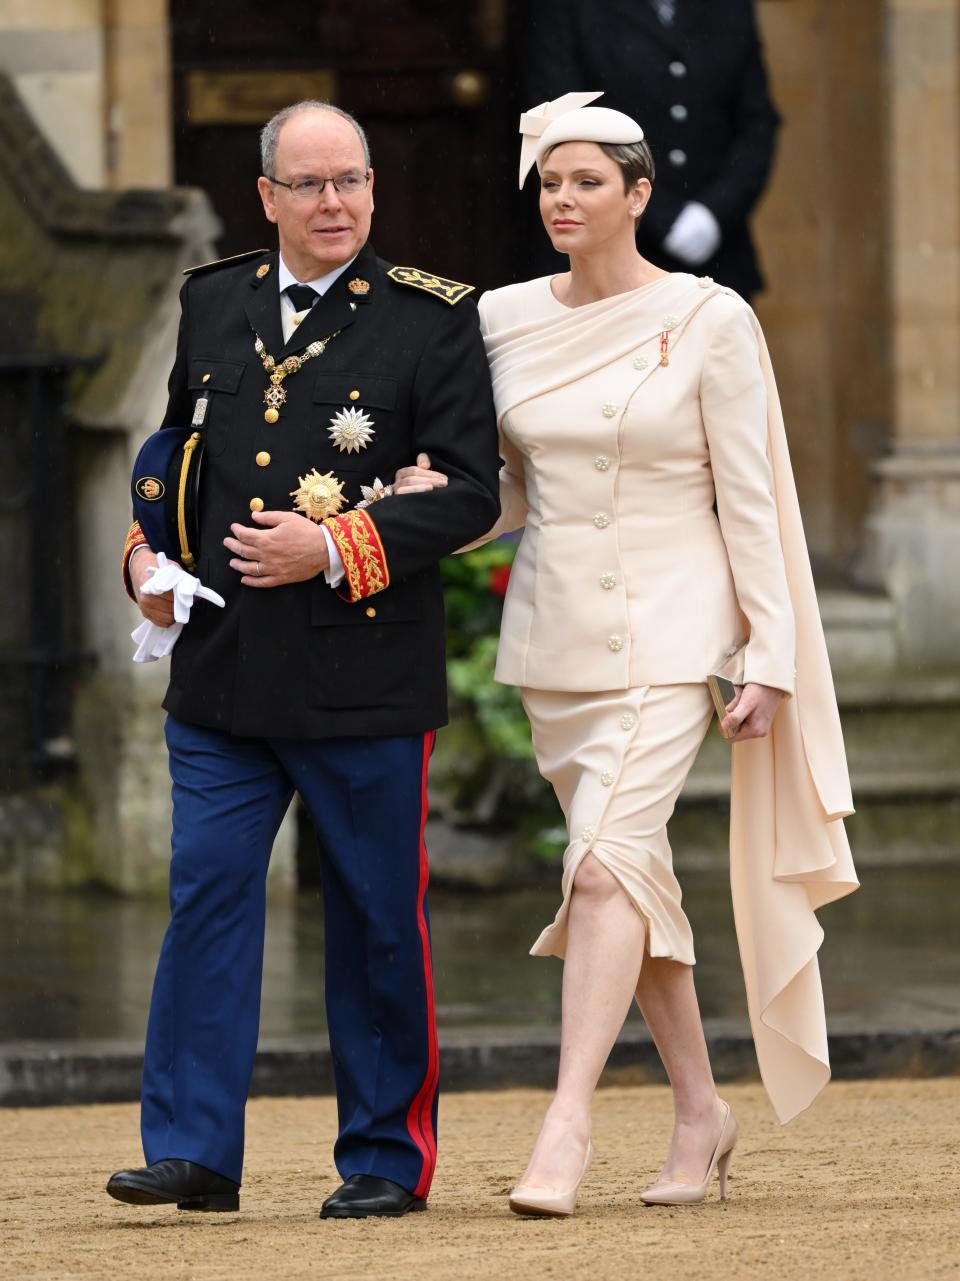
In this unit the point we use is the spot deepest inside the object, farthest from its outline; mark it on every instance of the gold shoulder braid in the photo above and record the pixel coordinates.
(275, 395)
(451, 291)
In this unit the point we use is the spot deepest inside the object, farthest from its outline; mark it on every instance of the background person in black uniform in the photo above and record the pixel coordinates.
(692, 73)
(324, 673)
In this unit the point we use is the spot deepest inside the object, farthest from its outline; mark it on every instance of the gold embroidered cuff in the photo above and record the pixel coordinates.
(360, 548)
(135, 539)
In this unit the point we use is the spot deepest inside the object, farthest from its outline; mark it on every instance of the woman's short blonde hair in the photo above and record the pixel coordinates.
(634, 160)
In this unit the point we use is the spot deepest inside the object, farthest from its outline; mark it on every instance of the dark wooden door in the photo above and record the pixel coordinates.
(430, 81)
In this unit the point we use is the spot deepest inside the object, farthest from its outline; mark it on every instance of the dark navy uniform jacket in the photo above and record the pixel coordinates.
(698, 88)
(304, 660)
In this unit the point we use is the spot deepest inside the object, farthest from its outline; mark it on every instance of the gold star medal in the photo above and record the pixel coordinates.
(318, 496)
(351, 430)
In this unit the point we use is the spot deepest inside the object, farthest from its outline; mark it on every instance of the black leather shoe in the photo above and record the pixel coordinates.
(365, 1196)
(190, 1186)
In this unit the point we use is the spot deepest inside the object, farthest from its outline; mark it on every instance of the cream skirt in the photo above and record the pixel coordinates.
(617, 761)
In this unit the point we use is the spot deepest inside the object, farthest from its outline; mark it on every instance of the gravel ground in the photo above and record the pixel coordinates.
(865, 1185)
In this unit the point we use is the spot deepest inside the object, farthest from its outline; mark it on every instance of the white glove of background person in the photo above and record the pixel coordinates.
(695, 236)
(156, 642)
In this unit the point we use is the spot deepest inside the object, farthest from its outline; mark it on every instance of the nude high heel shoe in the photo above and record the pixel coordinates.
(668, 1192)
(542, 1201)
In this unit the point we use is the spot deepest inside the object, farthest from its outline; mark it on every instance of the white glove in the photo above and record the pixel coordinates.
(156, 642)
(695, 235)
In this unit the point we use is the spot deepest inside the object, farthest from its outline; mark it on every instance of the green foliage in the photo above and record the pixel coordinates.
(549, 843)
(473, 588)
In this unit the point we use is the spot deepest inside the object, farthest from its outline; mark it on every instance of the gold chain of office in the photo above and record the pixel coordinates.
(276, 394)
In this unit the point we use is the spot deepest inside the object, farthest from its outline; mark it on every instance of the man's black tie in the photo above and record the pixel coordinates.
(302, 296)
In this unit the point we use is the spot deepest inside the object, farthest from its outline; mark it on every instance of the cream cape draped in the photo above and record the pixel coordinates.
(789, 791)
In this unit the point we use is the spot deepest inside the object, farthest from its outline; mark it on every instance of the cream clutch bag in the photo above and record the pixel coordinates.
(725, 678)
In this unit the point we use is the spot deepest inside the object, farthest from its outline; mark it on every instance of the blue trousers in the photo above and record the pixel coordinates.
(367, 799)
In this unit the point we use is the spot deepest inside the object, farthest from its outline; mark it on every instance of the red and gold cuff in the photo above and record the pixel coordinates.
(135, 539)
(360, 548)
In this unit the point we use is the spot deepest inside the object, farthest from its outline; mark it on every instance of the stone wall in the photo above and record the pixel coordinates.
(94, 74)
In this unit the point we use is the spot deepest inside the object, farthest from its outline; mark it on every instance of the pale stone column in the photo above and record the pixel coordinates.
(912, 548)
(139, 113)
(54, 53)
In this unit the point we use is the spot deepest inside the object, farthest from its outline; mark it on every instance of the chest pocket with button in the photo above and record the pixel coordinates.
(372, 395)
(218, 381)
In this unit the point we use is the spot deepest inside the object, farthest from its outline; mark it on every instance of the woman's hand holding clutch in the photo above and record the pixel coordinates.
(750, 712)
(419, 479)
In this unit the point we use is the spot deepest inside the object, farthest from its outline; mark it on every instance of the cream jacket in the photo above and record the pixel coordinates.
(625, 576)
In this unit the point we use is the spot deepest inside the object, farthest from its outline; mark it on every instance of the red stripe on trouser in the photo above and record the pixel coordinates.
(420, 1113)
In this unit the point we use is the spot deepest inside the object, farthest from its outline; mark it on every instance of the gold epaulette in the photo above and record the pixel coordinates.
(225, 262)
(450, 291)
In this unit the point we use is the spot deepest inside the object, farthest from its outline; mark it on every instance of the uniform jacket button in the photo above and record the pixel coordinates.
(256, 504)
(263, 458)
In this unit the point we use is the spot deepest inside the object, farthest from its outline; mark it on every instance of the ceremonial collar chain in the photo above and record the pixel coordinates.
(275, 395)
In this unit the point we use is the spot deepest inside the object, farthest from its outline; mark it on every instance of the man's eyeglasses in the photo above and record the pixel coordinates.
(347, 184)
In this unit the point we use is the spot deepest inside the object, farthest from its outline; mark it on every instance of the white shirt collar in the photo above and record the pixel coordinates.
(286, 277)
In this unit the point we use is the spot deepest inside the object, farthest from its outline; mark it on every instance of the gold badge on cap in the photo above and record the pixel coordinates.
(262, 271)
(351, 430)
(150, 488)
(318, 496)
(358, 286)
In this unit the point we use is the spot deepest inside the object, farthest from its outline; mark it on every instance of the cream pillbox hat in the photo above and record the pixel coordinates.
(569, 119)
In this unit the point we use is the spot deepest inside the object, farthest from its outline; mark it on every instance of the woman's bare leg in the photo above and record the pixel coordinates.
(668, 1001)
(605, 944)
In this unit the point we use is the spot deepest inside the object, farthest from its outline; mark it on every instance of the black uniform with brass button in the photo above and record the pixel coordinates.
(699, 89)
(406, 363)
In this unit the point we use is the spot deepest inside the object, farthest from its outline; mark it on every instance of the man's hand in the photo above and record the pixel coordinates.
(156, 609)
(288, 548)
(750, 714)
(419, 479)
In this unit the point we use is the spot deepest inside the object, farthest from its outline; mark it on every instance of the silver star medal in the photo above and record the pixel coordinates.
(373, 493)
(351, 430)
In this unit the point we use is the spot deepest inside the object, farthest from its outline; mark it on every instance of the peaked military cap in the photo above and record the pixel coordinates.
(165, 487)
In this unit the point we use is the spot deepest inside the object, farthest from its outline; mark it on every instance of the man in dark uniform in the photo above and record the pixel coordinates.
(311, 375)
(692, 73)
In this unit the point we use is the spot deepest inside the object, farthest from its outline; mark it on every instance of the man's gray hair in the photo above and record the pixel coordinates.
(270, 132)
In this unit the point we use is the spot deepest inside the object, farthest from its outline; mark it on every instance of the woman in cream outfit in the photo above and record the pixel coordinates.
(628, 400)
